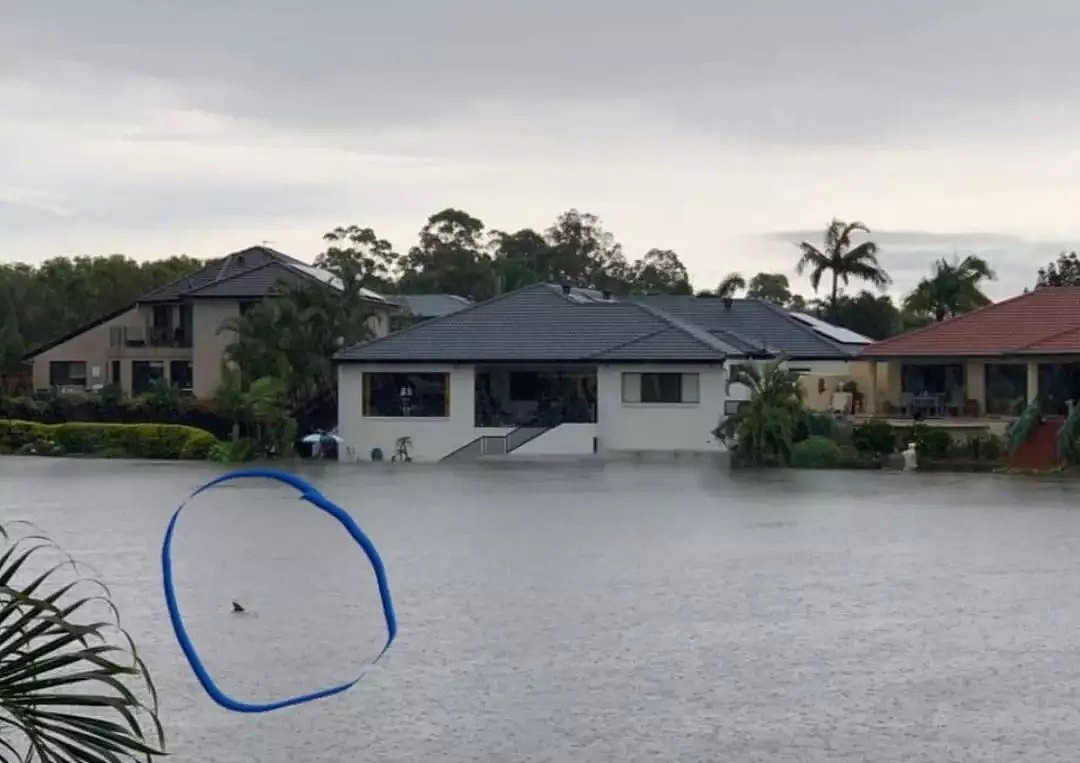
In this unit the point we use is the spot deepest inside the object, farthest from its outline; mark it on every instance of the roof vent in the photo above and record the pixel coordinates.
(566, 289)
(606, 294)
(728, 302)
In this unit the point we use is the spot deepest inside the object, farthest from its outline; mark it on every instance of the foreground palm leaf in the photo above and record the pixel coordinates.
(72, 687)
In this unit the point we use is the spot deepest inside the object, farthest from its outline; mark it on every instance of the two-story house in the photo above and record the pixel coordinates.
(175, 332)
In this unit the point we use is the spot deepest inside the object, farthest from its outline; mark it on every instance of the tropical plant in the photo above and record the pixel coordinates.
(764, 430)
(1068, 434)
(952, 289)
(1021, 428)
(72, 686)
(842, 260)
(732, 284)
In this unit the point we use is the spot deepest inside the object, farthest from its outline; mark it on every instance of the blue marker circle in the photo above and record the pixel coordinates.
(311, 495)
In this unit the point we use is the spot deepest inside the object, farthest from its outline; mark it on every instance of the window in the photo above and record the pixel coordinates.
(144, 373)
(180, 374)
(524, 385)
(666, 388)
(407, 394)
(246, 305)
(1006, 388)
(114, 374)
(67, 373)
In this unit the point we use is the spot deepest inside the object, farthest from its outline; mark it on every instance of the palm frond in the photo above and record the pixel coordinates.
(72, 687)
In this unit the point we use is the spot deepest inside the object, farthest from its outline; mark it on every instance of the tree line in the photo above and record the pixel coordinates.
(456, 253)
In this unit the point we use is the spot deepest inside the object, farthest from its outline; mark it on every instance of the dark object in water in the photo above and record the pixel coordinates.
(236, 607)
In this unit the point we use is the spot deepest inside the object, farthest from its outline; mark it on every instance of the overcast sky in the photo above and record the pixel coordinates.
(723, 130)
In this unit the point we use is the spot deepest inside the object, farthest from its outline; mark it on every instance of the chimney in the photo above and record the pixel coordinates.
(606, 294)
(566, 289)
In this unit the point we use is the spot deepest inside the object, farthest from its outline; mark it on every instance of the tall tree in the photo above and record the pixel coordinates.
(872, 315)
(361, 253)
(771, 287)
(660, 271)
(450, 257)
(841, 259)
(520, 258)
(1064, 271)
(585, 254)
(953, 288)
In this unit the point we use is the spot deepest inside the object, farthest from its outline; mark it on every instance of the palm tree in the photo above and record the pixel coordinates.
(72, 687)
(732, 283)
(764, 429)
(952, 289)
(840, 259)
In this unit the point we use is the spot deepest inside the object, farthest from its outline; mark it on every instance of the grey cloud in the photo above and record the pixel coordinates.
(779, 70)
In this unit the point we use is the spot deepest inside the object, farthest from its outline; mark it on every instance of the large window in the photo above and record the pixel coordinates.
(415, 394)
(180, 374)
(144, 373)
(668, 388)
(67, 373)
(1006, 388)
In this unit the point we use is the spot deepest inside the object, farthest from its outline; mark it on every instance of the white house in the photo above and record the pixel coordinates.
(552, 370)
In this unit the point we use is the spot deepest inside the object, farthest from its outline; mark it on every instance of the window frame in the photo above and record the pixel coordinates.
(367, 389)
(72, 381)
(634, 382)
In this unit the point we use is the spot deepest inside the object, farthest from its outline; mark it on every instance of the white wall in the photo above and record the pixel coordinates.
(655, 426)
(432, 438)
(563, 440)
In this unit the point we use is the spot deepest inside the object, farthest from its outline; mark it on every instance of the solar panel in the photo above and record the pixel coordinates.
(836, 333)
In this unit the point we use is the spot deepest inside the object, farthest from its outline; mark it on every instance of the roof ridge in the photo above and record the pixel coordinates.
(952, 320)
(208, 264)
(437, 319)
(628, 342)
(692, 330)
(1046, 338)
(219, 281)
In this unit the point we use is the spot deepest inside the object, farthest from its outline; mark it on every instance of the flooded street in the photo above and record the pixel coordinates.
(620, 611)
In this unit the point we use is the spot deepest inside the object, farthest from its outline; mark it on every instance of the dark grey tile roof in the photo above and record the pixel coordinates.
(755, 326)
(218, 270)
(430, 305)
(249, 284)
(541, 323)
(248, 274)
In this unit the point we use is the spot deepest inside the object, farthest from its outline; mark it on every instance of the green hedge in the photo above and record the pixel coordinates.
(816, 453)
(162, 441)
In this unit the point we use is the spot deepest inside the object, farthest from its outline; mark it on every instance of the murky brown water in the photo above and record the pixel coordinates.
(624, 612)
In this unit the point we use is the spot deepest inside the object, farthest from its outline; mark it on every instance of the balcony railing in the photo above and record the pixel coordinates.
(148, 336)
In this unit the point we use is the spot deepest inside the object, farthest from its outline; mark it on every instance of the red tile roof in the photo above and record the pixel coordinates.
(1044, 321)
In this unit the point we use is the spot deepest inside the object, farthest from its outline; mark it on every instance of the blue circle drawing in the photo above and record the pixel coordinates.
(311, 495)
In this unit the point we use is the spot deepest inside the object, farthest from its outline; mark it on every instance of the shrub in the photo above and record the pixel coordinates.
(992, 448)
(874, 437)
(165, 441)
(198, 446)
(233, 451)
(813, 424)
(816, 453)
(930, 442)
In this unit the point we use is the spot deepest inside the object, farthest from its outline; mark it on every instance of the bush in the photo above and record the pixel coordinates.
(991, 448)
(813, 424)
(874, 437)
(198, 446)
(930, 442)
(233, 451)
(164, 441)
(816, 453)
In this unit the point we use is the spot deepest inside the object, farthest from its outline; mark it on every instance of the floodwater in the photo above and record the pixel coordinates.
(608, 612)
